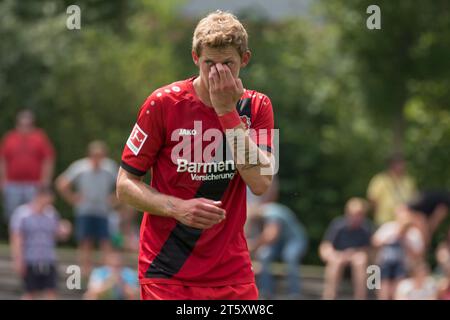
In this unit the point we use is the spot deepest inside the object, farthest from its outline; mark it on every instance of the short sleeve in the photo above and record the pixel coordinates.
(375, 188)
(262, 133)
(73, 171)
(332, 231)
(146, 137)
(15, 225)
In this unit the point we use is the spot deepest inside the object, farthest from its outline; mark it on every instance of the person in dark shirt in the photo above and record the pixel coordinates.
(346, 243)
(429, 209)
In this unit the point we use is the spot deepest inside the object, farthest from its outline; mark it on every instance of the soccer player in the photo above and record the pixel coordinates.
(187, 134)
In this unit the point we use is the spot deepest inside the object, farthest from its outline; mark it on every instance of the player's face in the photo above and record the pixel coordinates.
(227, 56)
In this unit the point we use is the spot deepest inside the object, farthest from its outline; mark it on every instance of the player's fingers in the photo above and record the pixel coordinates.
(206, 218)
(223, 76)
(212, 78)
(213, 202)
(216, 76)
(239, 85)
(212, 208)
(209, 216)
(229, 76)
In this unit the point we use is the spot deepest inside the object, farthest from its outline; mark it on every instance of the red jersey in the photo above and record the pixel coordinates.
(24, 155)
(172, 137)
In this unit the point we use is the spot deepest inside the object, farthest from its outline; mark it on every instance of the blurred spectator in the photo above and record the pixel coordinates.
(26, 162)
(113, 281)
(89, 185)
(429, 209)
(347, 243)
(271, 195)
(399, 244)
(282, 236)
(444, 288)
(443, 259)
(420, 286)
(254, 227)
(35, 228)
(443, 255)
(123, 228)
(389, 189)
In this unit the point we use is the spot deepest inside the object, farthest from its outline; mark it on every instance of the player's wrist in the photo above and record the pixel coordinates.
(170, 209)
(230, 119)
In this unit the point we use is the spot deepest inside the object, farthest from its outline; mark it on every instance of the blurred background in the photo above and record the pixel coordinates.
(345, 97)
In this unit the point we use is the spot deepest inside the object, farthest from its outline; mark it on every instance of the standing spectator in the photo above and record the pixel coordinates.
(399, 245)
(347, 242)
(35, 228)
(26, 162)
(282, 236)
(113, 281)
(89, 185)
(389, 189)
(420, 286)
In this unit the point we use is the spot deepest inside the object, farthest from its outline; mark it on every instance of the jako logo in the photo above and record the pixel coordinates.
(187, 132)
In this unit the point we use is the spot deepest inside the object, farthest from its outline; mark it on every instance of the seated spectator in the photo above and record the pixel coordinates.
(420, 286)
(443, 254)
(443, 260)
(35, 227)
(282, 237)
(429, 209)
(113, 281)
(123, 228)
(399, 244)
(347, 243)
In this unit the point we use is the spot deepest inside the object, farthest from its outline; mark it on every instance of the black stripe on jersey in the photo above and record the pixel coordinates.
(131, 169)
(182, 239)
(178, 247)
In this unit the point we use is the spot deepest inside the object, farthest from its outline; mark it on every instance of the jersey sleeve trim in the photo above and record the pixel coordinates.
(131, 169)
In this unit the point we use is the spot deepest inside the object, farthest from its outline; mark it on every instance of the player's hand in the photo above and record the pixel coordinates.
(199, 213)
(224, 89)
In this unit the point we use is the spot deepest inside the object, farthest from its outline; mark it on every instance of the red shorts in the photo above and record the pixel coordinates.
(163, 291)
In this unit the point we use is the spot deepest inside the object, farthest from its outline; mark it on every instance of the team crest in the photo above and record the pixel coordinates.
(246, 121)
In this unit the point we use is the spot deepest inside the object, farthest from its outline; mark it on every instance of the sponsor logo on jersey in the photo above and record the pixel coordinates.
(187, 132)
(136, 140)
(205, 171)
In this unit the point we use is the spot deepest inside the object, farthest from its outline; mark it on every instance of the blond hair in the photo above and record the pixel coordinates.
(218, 30)
(356, 205)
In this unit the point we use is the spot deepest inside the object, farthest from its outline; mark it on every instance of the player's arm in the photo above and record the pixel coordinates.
(251, 161)
(254, 165)
(198, 213)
